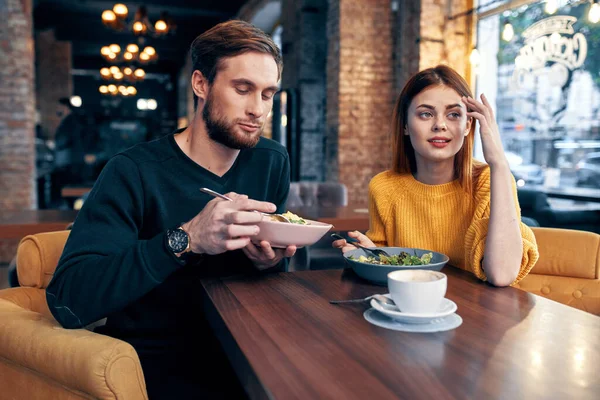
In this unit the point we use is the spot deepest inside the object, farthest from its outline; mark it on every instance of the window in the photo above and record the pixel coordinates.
(545, 84)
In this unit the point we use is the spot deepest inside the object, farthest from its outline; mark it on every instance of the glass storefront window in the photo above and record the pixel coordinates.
(545, 85)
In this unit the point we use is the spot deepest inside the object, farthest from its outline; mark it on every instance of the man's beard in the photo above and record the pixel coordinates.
(222, 131)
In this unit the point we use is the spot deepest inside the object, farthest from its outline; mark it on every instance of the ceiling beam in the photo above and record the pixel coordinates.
(154, 8)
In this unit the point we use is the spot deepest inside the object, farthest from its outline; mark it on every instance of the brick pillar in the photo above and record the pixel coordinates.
(17, 106)
(445, 41)
(53, 79)
(304, 47)
(17, 112)
(360, 96)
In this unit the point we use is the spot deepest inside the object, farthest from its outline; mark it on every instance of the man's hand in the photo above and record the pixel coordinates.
(226, 225)
(264, 256)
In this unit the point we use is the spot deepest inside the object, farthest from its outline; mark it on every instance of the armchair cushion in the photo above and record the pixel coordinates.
(39, 255)
(567, 253)
(78, 360)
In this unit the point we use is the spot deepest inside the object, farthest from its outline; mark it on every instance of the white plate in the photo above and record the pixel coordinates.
(446, 308)
(447, 323)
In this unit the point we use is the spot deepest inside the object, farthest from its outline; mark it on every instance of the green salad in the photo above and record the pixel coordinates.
(401, 259)
(293, 218)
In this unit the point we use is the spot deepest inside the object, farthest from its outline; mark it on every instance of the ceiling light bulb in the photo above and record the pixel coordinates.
(111, 55)
(112, 88)
(115, 48)
(108, 16)
(138, 26)
(594, 13)
(142, 104)
(120, 10)
(105, 72)
(131, 90)
(551, 6)
(105, 50)
(152, 104)
(139, 73)
(76, 101)
(133, 48)
(118, 76)
(103, 89)
(149, 50)
(144, 56)
(508, 32)
(114, 69)
(128, 56)
(160, 26)
(127, 71)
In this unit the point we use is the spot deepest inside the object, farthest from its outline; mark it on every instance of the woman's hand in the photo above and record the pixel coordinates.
(362, 239)
(488, 130)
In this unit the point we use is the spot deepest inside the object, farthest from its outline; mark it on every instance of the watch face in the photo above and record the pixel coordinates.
(178, 240)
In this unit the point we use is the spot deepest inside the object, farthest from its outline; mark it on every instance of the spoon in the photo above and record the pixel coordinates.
(381, 299)
(279, 217)
(375, 252)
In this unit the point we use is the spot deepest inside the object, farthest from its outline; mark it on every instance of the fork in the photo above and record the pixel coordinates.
(375, 252)
(279, 217)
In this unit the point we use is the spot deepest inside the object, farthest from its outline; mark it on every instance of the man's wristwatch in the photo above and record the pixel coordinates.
(178, 242)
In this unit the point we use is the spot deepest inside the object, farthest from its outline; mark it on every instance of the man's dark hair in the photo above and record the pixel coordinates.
(229, 39)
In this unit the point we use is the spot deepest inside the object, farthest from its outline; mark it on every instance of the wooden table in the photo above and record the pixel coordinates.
(343, 218)
(286, 341)
(20, 223)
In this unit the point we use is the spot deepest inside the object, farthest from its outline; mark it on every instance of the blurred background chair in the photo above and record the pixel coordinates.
(568, 270)
(41, 360)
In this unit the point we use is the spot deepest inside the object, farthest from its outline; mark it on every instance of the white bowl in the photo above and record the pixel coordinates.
(283, 234)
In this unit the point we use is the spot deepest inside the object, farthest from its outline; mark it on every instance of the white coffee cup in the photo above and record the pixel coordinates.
(417, 291)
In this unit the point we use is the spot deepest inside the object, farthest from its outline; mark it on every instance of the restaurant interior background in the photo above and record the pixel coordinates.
(81, 80)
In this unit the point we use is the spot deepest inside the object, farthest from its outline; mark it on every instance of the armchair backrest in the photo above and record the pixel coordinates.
(37, 257)
(566, 252)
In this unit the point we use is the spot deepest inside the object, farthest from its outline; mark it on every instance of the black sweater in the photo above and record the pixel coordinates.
(116, 263)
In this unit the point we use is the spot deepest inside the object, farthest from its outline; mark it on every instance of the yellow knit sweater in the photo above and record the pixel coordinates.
(407, 213)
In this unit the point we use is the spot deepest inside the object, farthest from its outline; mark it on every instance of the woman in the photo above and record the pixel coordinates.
(437, 196)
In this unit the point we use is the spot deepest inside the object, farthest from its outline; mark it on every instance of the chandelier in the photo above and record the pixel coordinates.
(115, 90)
(127, 73)
(112, 53)
(117, 19)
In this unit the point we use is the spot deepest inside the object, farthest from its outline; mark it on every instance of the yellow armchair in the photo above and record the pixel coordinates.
(41, 360)
(568, 270)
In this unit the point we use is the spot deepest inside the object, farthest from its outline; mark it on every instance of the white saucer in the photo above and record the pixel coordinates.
(446, 308)
(447, 323)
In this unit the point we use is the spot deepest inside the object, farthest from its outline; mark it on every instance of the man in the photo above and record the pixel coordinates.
(146, 235)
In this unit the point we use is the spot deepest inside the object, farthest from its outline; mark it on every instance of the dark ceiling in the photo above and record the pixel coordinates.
(80, 22)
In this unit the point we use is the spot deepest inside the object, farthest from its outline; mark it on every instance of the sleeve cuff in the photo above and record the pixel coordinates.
(160, 261)
(475, 249)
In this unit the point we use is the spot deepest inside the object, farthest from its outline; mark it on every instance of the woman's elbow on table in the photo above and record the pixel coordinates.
(502, 276)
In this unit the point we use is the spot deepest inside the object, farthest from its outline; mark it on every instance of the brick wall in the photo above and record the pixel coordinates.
(17, 109)
(360, 81)
(53, 79)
